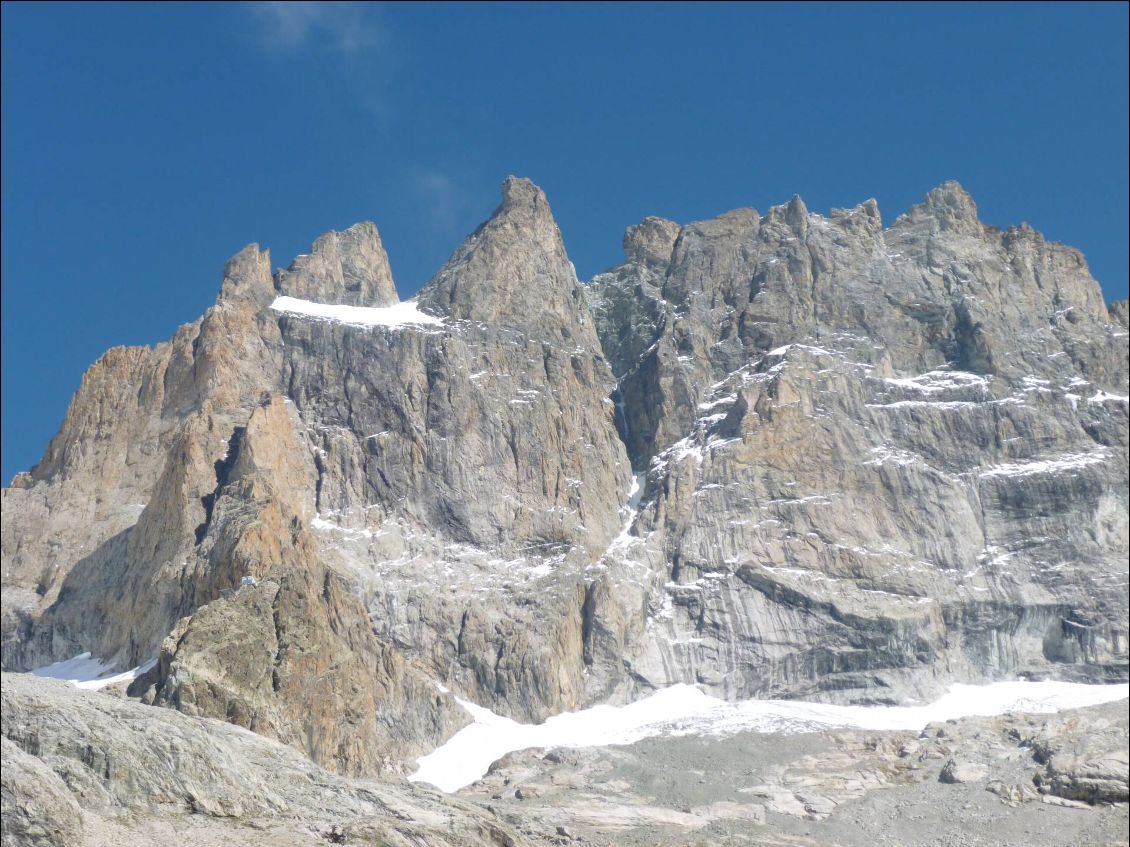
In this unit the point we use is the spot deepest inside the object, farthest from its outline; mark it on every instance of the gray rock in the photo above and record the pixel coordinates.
(513, 272)
(955, 772)
(476, 445)
(847, 787)
(247, 277)
(808, 395)
(1085, 758)
(36, 808)
(349, 267)
(869, 461)
(156, 764)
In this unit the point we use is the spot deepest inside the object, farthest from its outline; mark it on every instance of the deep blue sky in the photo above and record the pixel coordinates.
(144, 144)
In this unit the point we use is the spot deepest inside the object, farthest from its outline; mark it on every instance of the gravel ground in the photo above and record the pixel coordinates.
(851, 789)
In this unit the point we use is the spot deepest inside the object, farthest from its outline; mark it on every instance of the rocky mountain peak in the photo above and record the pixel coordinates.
(863, 218)
(796, 213)
(793, 215)
(651, 241)
(247, 277)
(520, 192)
(866, 464)
(947, 208)
(349, 267)
(513, 273)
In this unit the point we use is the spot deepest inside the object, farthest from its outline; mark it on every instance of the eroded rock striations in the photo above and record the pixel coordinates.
(869, 451)
(772, 455)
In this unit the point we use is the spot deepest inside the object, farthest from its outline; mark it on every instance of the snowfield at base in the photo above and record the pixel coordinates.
(684, 710)
(402, 314)
(84, 671)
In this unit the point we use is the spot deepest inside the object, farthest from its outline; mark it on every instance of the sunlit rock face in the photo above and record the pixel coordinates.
(783, 454)
(871, 451)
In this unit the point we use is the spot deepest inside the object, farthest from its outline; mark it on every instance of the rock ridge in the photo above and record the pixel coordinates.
(771, 455)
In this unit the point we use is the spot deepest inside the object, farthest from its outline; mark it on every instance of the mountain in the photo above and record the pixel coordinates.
(774, 456)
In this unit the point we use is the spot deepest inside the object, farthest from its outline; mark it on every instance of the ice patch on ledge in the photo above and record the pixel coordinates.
(320, 523)
(84, 671)
(631, 510)
(684, 710)
(1058, 464)
(402, 314)
(892, 455)
(934, 381)
(1102, 397)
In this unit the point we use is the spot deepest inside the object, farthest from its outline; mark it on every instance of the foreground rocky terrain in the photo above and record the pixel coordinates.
(1013, 780)
(780, 455)
(89, 768)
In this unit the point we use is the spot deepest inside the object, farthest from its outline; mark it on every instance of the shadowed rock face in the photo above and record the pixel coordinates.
(868, 461)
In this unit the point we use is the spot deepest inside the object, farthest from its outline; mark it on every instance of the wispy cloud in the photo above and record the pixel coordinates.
(442, 200)
(346, 28)
(349, 39)
(450, 207)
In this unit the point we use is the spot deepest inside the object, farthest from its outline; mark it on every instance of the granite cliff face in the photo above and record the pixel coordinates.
(773, 455)
(871, 452)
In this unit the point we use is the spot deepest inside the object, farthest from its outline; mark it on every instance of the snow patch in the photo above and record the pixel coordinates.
(85, 671)
(323, 525)
(1059, 464)
(892, 455)
(1102, 397)
(721, 401)
(935, 381)
(632, 508)
(685, 710)
(401, 314)
(944, 404)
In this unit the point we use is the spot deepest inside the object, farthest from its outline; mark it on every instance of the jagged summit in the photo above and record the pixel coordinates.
(513, 272)
(947, 208)
(349, 268)
(520, 191)
(247, 277)
(651, 241)
(951, 194)
(796, 213)
(867, 463)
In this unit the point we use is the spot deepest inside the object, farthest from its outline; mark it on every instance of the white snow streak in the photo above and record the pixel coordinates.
(1103, 397)
(1058, 464)
(84, 671)
(632, 509)
(934, 381)
(684, 710)
(402, 314)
